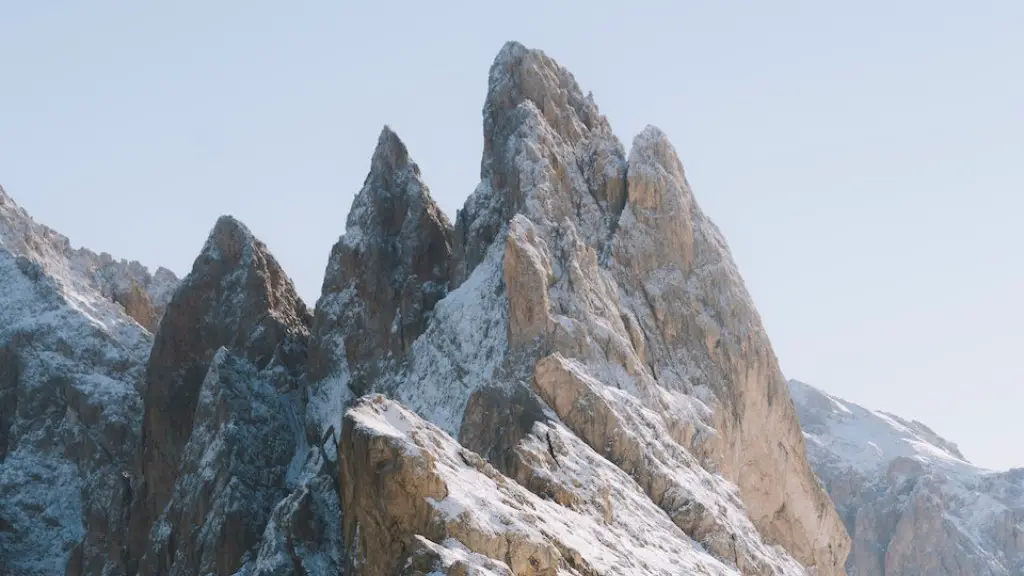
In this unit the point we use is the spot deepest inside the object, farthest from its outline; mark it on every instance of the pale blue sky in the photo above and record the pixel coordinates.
(864, 159)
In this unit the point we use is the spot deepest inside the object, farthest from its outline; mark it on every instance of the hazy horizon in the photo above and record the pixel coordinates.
(863, 162)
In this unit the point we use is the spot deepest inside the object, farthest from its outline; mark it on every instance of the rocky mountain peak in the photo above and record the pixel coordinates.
(236, 297)
(390, 156)
(910, 500)
(520, 75)
(582, 330)
(393, 259)
(548, 153)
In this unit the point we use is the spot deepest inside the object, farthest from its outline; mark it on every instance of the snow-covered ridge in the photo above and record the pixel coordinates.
(90, 281)
(868, 440)
(910, 500)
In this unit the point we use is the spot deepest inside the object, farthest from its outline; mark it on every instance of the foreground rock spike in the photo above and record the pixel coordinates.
(386, 273)
(236, 297)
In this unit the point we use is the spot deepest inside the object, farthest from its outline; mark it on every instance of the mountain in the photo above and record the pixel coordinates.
(74, 337)
(571, 378)
(910, 500)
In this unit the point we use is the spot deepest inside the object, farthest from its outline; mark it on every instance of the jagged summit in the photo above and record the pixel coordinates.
(548, 153)
(519, 75)
(394, 255)
(143, 296)
(577, 273)
(390, 154)
(582, 327)
(238, 298)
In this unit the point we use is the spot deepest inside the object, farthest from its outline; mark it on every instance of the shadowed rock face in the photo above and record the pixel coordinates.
(231, 475)
(236, 297)
(386, 273)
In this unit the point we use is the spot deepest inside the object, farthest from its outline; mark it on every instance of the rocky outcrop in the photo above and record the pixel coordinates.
(582, 329)
(143, 296)
(608, 262)
(386, 274)
(238, 298)
(416, 501)
(233, 471)
(71, 374)
(303, 535)
(911, 501)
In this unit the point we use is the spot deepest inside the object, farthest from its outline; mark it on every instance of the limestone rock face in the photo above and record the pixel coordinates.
(416, 501)
(911, 501)
(303, 535)
(386, 274)
(71, 378)
(540, 130)
(606, 260)
(236, 297)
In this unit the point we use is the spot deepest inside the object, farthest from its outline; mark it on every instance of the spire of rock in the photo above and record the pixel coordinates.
(236, 297)
(545, 140)
(385, 274)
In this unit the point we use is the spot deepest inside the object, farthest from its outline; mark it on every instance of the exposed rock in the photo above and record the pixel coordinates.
(679, 280)
(583, 329)
(386, 274)
(303, 536)
(130, 284)
(71, 373)
(70, 421)
(702, 505)
(633, 283)
(498, 418)
(406, 484)
(537, 118)
(527, 272)
(450, 558)
(236, 297)
(911, 502)
(232, 472)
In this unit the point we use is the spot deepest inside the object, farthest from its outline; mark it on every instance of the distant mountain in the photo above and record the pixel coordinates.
(910, 500)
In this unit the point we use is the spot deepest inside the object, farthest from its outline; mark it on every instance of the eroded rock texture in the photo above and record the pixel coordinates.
(236, 298)
(71, 380)
(570, 248)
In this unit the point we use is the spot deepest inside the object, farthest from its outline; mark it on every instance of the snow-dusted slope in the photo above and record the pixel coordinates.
(82, 273)
(71, 363)
(911, 501)
(394, 459)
